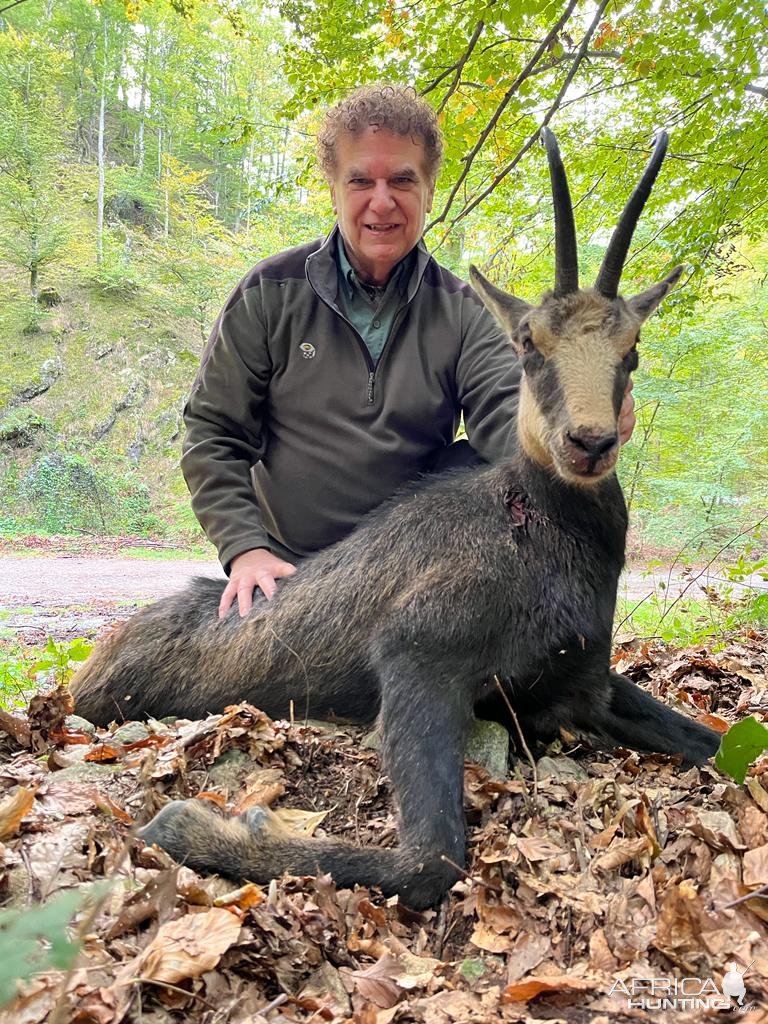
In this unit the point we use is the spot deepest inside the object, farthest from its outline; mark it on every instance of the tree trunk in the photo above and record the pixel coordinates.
(100, 157)
(143, 105)
(33, 280)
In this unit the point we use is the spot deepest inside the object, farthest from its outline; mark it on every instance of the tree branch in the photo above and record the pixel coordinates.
(525, 73)
(758, 90)
(9, 6)
(457, 67)
(580, 55)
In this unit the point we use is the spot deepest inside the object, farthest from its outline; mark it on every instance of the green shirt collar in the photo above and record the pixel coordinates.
(348, 278)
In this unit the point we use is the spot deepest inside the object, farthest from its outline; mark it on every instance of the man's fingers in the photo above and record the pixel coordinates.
(229, 595)
(284, 569)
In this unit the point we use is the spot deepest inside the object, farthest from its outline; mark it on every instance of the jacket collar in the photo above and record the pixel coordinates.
(323, 275)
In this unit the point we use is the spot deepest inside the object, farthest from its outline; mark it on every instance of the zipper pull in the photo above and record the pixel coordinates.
(369, 393)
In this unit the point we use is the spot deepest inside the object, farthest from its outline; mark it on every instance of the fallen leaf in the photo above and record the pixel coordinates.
(755, 867)
(622, 851)
(523, 991)
(13, 808)
(536, 849)
(247, 896)
(187, 947)
(378, 983)
(302, 822)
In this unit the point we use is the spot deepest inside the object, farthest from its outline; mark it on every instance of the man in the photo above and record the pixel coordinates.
(338, 371)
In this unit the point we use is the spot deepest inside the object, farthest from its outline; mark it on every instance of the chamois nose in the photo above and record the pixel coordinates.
(592, 443)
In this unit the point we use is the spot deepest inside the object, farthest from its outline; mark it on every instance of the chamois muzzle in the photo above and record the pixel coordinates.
(589, 453)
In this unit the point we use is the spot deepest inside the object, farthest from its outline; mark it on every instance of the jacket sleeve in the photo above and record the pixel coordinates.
(488, 382)
(225, 430)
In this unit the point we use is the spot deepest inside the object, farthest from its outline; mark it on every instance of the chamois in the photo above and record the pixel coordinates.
(509, 570)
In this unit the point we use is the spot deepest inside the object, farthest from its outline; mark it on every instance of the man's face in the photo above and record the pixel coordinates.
(381, 195)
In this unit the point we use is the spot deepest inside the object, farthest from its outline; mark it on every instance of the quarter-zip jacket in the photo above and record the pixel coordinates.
(294, 434)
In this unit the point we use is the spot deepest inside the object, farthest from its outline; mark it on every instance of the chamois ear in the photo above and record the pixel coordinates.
(643, 305)
(507, 309)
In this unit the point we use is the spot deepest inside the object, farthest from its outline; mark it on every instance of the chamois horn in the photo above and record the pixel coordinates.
(613, 262)
(566, 255)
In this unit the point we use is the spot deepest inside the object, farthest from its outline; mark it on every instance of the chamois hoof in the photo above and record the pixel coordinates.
(180, 827)
(257, 819)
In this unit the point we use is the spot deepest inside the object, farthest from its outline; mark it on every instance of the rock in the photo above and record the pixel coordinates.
(77, 724)
(89, 771)
(131, 732)
(371, 740)
(489, 746)
(227, 771)
(16, 886)
(562, 769)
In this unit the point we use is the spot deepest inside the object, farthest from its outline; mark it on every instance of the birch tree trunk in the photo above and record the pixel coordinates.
(102, 112)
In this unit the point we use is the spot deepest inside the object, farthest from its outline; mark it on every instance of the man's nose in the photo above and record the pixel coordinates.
(382, 198)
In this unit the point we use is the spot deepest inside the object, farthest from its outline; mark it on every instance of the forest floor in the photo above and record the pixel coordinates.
(596, 883)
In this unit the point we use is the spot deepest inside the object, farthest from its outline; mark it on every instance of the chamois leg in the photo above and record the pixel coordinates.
(628, 716)
(426, 714)
(424, 729)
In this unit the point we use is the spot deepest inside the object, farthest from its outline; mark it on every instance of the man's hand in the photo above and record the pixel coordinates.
(257, 568)
(627, 418)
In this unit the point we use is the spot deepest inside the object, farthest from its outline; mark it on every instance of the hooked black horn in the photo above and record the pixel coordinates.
(566, 254)
(613, 262)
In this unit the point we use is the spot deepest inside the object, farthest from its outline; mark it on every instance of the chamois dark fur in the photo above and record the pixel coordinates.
(507, 571)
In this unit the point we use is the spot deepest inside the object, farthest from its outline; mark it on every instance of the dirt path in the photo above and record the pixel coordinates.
(64, 596)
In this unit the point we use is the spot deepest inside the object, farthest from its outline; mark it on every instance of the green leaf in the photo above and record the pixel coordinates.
(740, 746)
(34, 940)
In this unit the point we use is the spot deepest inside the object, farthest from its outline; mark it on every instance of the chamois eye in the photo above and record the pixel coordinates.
(526, 339)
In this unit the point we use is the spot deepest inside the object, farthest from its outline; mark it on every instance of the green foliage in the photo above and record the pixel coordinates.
(59, 660)
(64, 492)
(38, 939)
(740, 746)
(22, 427)
(23, 669)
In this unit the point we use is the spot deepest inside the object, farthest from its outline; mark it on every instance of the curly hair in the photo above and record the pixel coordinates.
(398, 108)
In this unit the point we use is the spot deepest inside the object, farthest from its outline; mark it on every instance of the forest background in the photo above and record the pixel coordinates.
(151, 152)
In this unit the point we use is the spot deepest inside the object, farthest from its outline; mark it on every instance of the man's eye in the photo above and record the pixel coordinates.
(405, 180)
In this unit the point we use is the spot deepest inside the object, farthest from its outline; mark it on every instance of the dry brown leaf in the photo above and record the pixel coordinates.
(378, 983)
(536, 849)
(622, 851)
(714, 722)
(13, 808)
(262, 788)
(489, 939)
(526, 954)
(716, 828)
(755, 867)
(104, 752)
(247, 896)
(303, 823)
(758, 792)
(523, 991)
(16, 728)
(187, 947)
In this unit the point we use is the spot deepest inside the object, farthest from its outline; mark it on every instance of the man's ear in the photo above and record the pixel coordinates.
(643, 305)
(507, 309)
(333, 197)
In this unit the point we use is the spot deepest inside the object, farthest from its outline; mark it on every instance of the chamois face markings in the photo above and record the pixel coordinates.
(576, 353)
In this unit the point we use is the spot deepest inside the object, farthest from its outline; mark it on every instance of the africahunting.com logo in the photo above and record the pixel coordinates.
(685, 993)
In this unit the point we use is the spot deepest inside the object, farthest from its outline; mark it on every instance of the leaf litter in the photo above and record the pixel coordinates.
(622, 868)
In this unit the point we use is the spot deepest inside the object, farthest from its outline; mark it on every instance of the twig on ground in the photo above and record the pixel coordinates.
(523, 744)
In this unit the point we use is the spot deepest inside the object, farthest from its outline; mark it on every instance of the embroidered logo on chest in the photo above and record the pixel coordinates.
(308, 351)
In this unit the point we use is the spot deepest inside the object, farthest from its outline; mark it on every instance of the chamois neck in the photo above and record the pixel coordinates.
(530, 428)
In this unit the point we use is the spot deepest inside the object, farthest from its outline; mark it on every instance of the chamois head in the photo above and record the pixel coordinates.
(578, 346)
